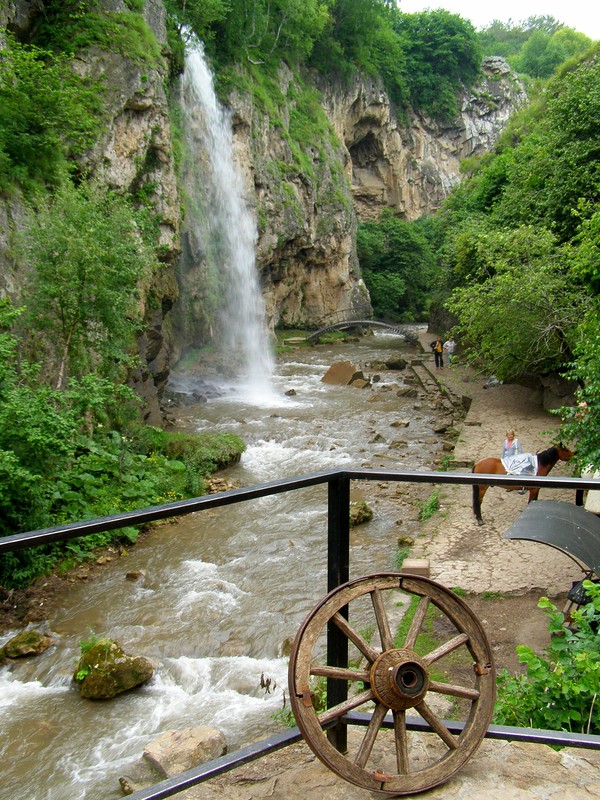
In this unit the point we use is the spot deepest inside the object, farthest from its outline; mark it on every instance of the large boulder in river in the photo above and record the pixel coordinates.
(25, 643)
(175, 751)
(342, 373)
(105, 670)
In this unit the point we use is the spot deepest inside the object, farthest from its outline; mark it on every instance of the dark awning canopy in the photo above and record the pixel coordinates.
(567, 527)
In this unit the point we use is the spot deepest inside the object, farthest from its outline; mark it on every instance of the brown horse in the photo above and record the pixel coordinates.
(546, 459)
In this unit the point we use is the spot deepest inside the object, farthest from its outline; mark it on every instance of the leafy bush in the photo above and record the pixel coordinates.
(48, 116)
(63, 458)
(559, 691)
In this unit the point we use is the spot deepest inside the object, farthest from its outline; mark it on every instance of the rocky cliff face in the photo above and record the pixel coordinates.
(307, 204)
(133, 152)
(412, 167)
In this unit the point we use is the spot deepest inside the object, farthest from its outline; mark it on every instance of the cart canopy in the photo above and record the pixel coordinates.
(567, 527)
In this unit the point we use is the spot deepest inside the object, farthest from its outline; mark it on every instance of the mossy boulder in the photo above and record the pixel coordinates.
(105, 670)
(25, 643)
(359, 513)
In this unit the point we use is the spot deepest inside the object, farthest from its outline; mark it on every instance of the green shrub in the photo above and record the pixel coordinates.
(559, 690)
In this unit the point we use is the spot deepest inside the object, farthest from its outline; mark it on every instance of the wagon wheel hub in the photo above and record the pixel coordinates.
(399, 679)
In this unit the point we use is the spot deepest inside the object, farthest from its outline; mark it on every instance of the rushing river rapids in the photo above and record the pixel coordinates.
(222, 591)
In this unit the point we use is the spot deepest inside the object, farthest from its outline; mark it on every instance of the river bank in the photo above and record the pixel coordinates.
(503, 581)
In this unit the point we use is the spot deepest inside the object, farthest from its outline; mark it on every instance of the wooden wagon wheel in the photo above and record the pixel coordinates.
(386, 675)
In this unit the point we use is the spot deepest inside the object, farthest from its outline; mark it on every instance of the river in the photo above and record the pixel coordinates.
(221, 591)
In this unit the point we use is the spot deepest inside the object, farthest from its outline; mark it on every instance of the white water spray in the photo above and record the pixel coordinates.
(226, 232)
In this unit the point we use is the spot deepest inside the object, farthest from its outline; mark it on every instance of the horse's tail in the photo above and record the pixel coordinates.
(476, 500)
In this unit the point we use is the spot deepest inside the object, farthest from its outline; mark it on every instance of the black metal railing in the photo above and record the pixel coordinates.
(338, 571)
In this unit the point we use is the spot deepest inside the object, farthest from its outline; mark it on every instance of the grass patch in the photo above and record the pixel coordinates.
(333, 337)
(427, 508)
(492, 596)
(402, 554)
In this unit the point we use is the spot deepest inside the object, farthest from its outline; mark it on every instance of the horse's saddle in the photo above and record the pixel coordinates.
(522, 464)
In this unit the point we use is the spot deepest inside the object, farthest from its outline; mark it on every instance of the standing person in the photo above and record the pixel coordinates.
(438, 352)
(511, 445)
(449, 346)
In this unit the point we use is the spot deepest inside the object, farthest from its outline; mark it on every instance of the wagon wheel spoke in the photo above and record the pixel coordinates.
(397, 679)
(437, 725)
(365, 648)
(342, 708)
(366, 746)
(401, 742)
(417, 622)
(383, 623)
(444, 649)
(341, 673)
(455, 691)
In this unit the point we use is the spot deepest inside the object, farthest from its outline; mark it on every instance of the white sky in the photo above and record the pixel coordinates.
(582, 15)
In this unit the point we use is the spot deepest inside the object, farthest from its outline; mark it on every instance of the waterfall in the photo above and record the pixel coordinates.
(221, 233)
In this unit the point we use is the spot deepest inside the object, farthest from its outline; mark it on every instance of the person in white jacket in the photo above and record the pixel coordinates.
(449, 346)
(511, 445)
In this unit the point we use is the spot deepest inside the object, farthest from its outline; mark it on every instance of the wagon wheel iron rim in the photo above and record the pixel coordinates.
(396, 678)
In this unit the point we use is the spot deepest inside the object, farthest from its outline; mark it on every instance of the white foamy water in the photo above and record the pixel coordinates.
(219, 221)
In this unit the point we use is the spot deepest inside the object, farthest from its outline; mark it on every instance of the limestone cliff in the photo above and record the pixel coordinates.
(307, 198)
(412, 166)
(133, 153)
(306, 246)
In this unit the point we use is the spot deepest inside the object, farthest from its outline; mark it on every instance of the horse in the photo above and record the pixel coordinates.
(546, 459)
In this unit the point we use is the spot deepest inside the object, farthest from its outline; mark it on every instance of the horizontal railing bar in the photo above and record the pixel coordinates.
(588, 741)
(142, 516)
(218, 766)
(181, 507)
(245, 755)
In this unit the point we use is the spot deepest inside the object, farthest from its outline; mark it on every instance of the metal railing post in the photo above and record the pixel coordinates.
(338, 572)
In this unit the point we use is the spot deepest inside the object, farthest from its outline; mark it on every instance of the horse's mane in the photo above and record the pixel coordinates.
(548, 456)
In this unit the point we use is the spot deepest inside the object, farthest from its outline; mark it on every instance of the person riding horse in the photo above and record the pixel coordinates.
(538, 464)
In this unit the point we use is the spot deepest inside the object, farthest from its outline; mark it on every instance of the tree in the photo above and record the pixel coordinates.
(522, 310)
(581, 423)
(260, 31)
(88, 257)
(443, 55)
(554, 172)
(398, 267)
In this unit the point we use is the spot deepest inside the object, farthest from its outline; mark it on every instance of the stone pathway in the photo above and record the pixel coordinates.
(478, 558)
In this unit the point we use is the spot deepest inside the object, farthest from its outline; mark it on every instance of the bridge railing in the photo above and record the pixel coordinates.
(338, 570)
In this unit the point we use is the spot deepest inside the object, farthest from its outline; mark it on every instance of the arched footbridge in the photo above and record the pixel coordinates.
(408, 332)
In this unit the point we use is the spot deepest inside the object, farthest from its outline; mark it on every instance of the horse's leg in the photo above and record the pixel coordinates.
(533, 493)
(478, 493)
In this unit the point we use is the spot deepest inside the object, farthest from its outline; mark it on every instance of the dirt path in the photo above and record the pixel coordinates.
(504, 578)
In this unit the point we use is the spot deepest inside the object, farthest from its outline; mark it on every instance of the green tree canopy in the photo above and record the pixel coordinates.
(554, 172)
(442, 54)
(521, 311)
(48, 115)
(398, 267)
(88, 256)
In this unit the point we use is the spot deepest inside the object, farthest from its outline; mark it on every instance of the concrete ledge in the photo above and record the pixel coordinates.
(416, 566)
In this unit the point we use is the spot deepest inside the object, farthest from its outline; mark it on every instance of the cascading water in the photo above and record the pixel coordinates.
(221, 231)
